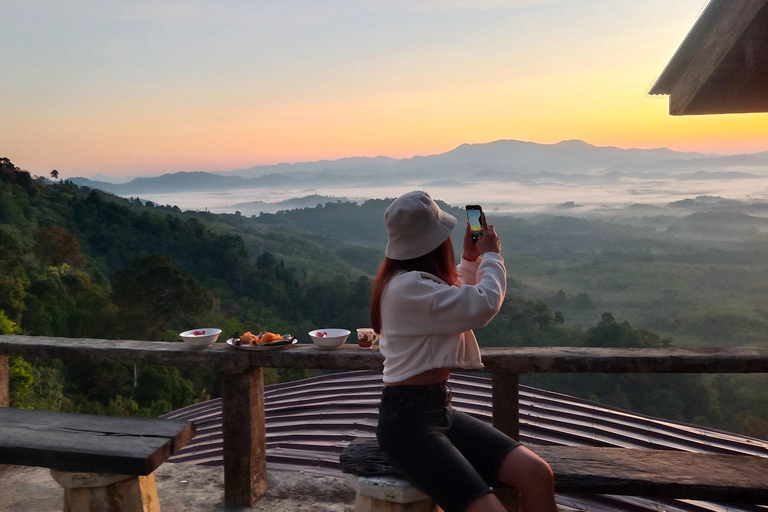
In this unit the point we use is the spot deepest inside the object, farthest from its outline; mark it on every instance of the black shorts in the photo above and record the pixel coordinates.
(450, 456)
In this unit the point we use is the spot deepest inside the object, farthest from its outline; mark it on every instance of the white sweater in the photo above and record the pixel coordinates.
(427, 323)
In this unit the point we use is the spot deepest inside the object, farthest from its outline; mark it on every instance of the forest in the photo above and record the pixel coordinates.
(76, 262)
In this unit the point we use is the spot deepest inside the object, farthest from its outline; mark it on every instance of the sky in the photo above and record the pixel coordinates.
(151, 87)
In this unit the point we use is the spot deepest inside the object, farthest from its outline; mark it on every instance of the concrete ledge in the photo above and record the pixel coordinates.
(385, 488)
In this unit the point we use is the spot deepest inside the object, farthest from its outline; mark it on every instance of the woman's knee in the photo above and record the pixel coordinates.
(522, 468)
(542, 471)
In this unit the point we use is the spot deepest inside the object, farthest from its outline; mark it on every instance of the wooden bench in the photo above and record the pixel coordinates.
(103, 463)
(595, 470)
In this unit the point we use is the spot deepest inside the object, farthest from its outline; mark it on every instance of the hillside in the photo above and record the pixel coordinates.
(78, 262)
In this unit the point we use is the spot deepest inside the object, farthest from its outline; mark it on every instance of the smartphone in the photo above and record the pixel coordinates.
(474, 211)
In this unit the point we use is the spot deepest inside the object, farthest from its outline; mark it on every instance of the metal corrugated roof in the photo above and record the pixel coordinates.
(309, 422)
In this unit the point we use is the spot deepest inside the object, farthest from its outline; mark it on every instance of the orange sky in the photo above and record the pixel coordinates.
(158, 88)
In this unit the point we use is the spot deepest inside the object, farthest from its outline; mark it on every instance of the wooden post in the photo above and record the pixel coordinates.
(506, 417)
(245, 442)
(506, 398)
(5, 384)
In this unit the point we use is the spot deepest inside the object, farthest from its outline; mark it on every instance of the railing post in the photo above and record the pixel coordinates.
(506, 417)
(245, 442)
(5, 384)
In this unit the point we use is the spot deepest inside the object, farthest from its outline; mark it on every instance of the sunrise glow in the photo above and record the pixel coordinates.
(160, 87)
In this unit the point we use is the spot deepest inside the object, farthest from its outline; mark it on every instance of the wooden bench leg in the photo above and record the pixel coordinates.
(107, 492)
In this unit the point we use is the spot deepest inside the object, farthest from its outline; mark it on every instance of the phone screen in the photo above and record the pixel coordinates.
(473, 216)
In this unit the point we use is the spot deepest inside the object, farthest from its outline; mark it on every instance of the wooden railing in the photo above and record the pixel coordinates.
(243, 426)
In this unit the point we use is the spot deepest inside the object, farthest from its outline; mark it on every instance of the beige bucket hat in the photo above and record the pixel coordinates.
(416, 226)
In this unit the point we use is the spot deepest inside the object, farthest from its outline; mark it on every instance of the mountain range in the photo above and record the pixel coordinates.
(502, 160)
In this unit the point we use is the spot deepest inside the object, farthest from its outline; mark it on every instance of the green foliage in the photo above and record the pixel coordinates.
(77, 262)
(80, 263)
(122, 406)
(61, 301)
(21, 378)
(47, 389)
(54, 246)
(163, 383)
(12, 275)
(609, 333)
(7, 326)
(152, 292)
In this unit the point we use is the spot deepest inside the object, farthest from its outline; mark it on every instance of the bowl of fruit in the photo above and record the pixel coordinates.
(200, 338)
(329, 338)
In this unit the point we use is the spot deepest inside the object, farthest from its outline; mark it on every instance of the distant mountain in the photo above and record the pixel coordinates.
(679, 165)
(256, 207)
(355, 165)
(503, 160)
(180, 181)
(507, 156)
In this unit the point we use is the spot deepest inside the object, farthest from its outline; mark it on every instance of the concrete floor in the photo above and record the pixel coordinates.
(185, 488)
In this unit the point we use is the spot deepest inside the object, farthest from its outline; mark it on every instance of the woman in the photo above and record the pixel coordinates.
(425, 310)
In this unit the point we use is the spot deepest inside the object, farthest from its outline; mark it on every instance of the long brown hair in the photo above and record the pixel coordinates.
(440, 263)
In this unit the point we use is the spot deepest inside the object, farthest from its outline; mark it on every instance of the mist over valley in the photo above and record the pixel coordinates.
(507, 177)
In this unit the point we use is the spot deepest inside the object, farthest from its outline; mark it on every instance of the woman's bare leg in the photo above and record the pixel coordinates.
(532, 476)
(486, 503)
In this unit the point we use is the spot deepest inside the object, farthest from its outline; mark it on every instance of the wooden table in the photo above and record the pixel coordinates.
(102, 462)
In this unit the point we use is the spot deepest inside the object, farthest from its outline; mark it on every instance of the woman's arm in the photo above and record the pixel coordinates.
(488, 241)
(417, 303)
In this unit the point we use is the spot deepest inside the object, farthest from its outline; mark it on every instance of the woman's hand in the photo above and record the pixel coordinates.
(470, 248)
(488, 241)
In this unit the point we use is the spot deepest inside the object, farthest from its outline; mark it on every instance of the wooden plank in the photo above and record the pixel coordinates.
(739, 82)
(87, 443)
(5, 386)
(621, 471)
(82, 452)
(658, 473)
(244, 436)
(220, 356)
(179, 432)
(626, 360)
(709, 50)
(120, 351)
(713, 35)
(516, 360)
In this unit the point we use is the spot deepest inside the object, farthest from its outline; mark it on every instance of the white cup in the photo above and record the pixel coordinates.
(366, 337)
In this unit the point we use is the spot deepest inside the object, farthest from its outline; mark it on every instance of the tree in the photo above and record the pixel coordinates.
(55, 246)
(610, 333)
(163, 383)
(55, 174)
(7, 326)
(12, 275)
(560, 300)
(583, 301)
(152, 292)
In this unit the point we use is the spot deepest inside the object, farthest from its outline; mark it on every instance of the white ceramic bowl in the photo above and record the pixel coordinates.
(334, 338)
(193, 340)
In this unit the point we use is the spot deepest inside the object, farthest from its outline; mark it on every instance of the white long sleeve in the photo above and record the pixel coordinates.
(427, 323)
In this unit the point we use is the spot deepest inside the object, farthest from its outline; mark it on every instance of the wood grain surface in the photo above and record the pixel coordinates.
(621, 471)
(88, 443)
(349, 357)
